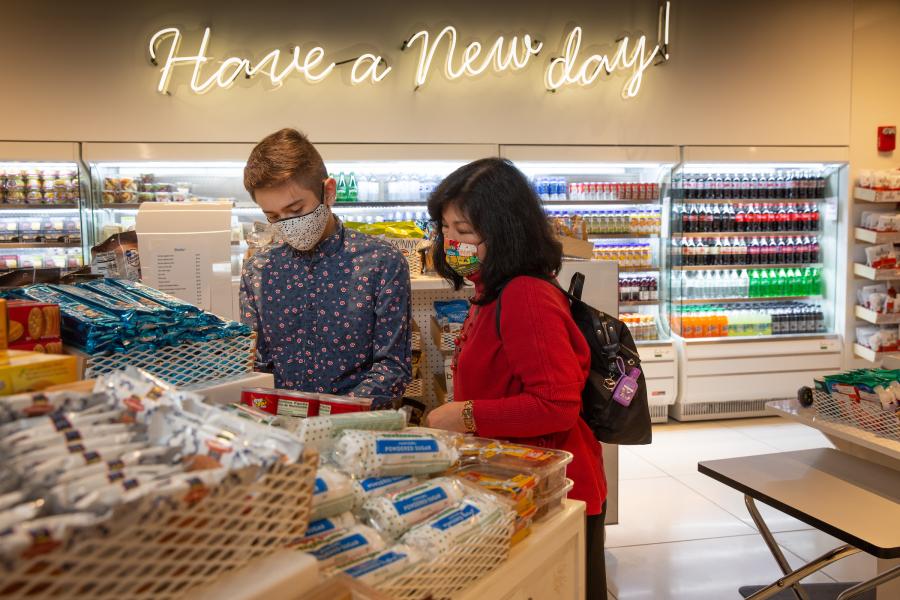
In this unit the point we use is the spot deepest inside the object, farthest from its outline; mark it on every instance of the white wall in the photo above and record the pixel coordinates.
(743, 72)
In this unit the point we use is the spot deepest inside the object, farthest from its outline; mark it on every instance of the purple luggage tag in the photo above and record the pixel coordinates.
(627, 385)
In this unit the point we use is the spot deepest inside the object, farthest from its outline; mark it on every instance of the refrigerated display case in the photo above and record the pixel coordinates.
(42, 201)
(754, 277)
(618, 196)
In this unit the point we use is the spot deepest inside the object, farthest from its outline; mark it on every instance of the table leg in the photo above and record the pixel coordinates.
(773, 545)
(869, 584)
(804, 572)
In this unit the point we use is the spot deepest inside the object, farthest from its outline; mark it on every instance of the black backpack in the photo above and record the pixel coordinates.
(612, 352)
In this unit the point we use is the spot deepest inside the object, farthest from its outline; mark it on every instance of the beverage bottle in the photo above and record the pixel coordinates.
(771, 218)
(654, 289)
(764, 286)
(814, 250)
(782, 218)
(753, 287)
(771, 186)
(753, 252)
(820, 185)
(809, 186)
(353, 189)
(706, 219)
(719, 187)
(780, 252)
(727, 252)
(771, 252)
(742, 252)
(782, 283)
(687, 252)
(709, 187)
(717, 219)
(740, 219)
(728, 186)
(341, 195)
(729, 219)
(716, 251)
(807, 283)
(780, 186)
(752, 218)
(753, 191)
(699, 252)
(796, 183)
(818, 284)
(745, 187)
(820, 319)
(743, 287)
(789, 191)
(794, 218)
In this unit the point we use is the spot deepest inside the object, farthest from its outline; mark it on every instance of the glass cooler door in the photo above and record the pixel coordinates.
(43, 192)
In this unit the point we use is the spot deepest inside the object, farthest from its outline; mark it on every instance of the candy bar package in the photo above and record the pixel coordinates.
(345, 546)
(417, 451)
(451, 314)
(332, 494)
(450, 525)
(376, 569)
(395, 513)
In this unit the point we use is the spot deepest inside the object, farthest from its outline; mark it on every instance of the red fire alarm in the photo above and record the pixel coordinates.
(887, 138)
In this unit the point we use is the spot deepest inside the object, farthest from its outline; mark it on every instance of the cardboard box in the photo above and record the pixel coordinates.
(576, 248)
(28, 322)
(46, 346)
(22, 371)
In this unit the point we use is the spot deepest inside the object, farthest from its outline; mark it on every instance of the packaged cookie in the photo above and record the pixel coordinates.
(411, 452)
(30, 321)
(396, 512)
(376, 569)
(135, 287)
(547, 504)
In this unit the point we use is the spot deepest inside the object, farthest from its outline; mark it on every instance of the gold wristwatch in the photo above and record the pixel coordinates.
(468, 416)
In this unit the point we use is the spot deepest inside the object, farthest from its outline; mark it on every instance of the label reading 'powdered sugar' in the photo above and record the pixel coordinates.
(319, 527)
(406, 446)
(456, 517)
(340, 546)
(377, 483)
(420, 500)
(388, 558)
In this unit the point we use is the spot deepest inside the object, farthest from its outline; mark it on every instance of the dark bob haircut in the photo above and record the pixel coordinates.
(507, 214)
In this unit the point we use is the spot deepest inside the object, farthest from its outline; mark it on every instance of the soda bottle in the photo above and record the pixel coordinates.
(753, 190)
(719, 187)
(820, 185)
(814, 218)
(352, 189)
(771, 186)
(341, 195)
(740, 219)
(727, 186)
(814, 250)
(789, 191)
(764, 286)
(744, 191)
(706, 219)
(782, 283)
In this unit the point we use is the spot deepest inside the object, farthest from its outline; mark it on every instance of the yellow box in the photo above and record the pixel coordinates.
(22, 371)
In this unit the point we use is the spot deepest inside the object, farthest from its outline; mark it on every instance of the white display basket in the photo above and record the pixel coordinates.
(472, 558)
(160, 548)
(186, 364)
(862, 415)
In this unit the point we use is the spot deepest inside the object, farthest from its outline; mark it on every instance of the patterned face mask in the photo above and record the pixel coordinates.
(305, 231)
(462, 257)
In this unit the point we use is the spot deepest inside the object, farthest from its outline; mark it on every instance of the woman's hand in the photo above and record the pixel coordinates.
(448, 417)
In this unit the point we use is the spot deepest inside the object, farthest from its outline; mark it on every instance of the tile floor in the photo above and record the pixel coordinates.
(682, 535)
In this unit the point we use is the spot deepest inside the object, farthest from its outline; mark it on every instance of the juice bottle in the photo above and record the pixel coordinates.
(723, 324)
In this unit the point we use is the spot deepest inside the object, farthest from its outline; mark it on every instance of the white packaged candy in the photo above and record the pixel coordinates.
(346, 546)
(23, 462)
(47, 529)
(375, 570)
(395, 513)
(42, 440)
(56, 421)
(332, 495)
(322, 528)
(23, 406)
(128, 490)
(411, 452)
(441, 531)
(65, 495)
(66, 467)
(372, 487)
(26, 511)
(322, 429)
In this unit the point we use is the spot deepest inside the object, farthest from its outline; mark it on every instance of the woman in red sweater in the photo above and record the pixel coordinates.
(524, 384)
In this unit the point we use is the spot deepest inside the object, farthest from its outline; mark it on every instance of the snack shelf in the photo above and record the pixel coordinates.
(753, 266)
(742, 234)
(38, 207)
(876, 237)
(871, 355)
(33, 245)
(875, 274)
(748, 200)
(877, 318)
(733, 300)
(869, 195)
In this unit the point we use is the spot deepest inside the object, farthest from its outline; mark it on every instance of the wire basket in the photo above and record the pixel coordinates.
(185, 364)
(416, 389)
(159, 549)
(837, 408)
(465, 563)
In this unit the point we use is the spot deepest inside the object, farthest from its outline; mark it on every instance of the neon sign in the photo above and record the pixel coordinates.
(566, 68)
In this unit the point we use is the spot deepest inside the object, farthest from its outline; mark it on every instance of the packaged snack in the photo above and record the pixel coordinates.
(30, 371)
(320, 430)
(330, 404)
(372, 487)
(14, 515)
(332, 495)
(869, 336)
(413, 452)
(549, 466)
(66, 495)
(375, 570)
(24, 406)
(396, 512)
(889, 338)
(32, 321)
(117, 257)
(873, 297)
(447, 527)
(41, 535)
(517, 487)
(196, 484)
(549, 503)
(157, 296)
(321, 528)
(346, 546)
(451, 314)
(111, 184)
(284, 403)
(882, 256)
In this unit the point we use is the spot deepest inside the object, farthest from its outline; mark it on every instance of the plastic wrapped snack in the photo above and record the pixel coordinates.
(515, 486)
(394, 513)
(375, 570)
(45, 531)
(171, 302)
(320, 528)
(451, 314)
(86, 327)
(123, 491)
(332, 495)
(346, 546)
(317, 430)
(549, 466)
(372, 487)
(411, 452)
(441, 531)
(548, 503)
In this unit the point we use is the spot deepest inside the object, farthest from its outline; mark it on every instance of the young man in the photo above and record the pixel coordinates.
(330, 306)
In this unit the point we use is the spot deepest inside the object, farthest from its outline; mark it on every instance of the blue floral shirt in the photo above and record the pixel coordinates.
(333, 320)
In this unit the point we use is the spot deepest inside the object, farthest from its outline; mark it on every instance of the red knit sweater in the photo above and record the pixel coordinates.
(527, 387)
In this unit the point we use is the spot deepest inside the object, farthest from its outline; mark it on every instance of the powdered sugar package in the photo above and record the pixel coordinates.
(372, 487)
(346, 546)
(410, 452)
(332, 494)
(449, 526)
(376, 569)
(393, 514)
